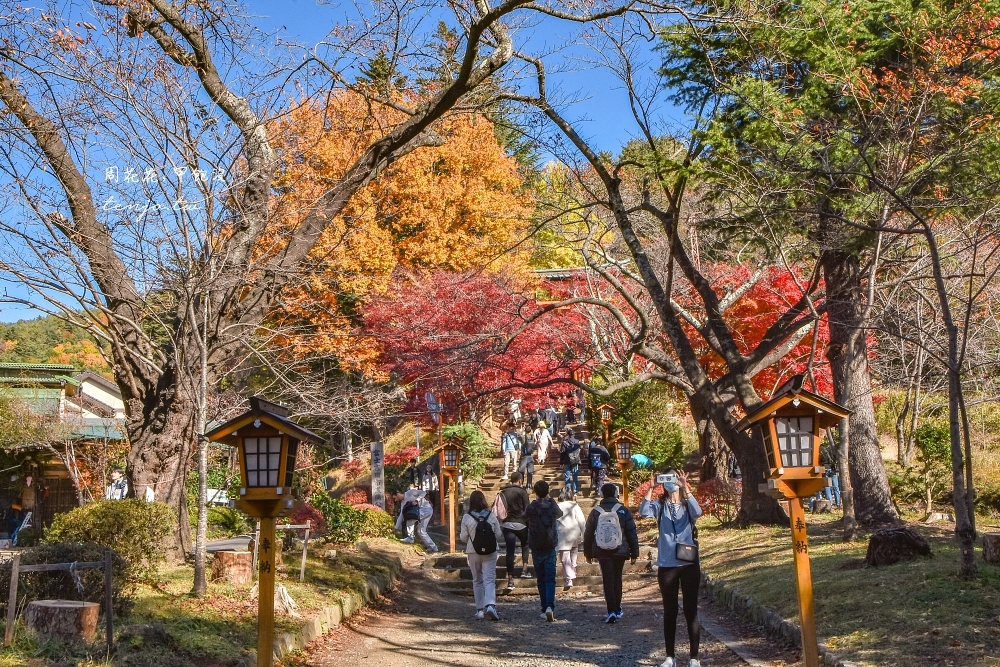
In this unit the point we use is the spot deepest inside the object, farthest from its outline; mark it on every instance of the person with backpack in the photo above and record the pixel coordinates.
(510, 445)
(677, 562)
(551, 416)
(611, 538)
(527, 465)
(509, 506)
(542, 515)
(534, 416)
(482, 535)
(415, 514)
(569, 456)
(430, 486)
(569, 533)
(599, 460)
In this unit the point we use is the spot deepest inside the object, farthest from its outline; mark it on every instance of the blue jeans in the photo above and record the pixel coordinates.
(830, 493)
(571, 473)
(545, 571)
(835, 488)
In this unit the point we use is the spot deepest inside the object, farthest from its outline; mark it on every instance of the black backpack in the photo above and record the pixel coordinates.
(542, 527)
(484, 542)
(529, 446)
(411, 511)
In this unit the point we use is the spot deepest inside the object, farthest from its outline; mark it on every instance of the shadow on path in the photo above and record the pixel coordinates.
(418, 625)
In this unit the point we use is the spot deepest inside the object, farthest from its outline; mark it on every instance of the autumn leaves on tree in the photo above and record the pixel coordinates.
(388, 222)
(456, 207)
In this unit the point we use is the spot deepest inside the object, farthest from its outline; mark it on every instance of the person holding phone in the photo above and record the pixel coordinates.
(675, 512)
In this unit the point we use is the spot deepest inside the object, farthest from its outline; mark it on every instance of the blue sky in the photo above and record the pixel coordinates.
(601, 108)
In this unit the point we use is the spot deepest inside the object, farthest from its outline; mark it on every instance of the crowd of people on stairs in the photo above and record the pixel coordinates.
(550, 529)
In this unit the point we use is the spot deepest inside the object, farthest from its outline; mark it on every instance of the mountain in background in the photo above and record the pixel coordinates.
(49, 340)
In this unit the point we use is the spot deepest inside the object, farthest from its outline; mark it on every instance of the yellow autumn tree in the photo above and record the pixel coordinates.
(82, 354)
(454, 206)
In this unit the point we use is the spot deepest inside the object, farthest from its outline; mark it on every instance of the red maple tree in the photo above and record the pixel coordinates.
(463, 336)
(749, 317)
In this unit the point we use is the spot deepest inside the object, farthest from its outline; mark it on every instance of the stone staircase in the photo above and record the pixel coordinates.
(452, 570)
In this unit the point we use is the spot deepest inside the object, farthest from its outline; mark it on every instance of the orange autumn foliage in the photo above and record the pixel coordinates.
(454, 206)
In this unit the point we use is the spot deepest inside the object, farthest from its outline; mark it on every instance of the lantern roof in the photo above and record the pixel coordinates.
(827, 412)
(452, 441)
(624, 434)
(268, 413)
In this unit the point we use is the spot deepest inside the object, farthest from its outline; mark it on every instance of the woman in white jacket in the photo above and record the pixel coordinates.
(569, 531)
(407, 525)
(482, 561)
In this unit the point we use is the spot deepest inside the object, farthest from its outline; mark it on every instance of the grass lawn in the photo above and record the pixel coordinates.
(913, 613)
(169, 627)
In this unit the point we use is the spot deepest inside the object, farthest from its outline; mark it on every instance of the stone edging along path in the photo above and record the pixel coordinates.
(330, 616)
(772, 622)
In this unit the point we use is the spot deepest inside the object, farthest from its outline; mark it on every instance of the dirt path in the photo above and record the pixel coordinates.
(417, 625)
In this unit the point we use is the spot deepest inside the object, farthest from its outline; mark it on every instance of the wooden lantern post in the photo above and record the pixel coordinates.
(450, 455)
(267, 443)
(790, 426)
(607, 413)
(623, 442)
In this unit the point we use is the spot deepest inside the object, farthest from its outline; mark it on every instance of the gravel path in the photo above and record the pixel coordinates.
(417, 625)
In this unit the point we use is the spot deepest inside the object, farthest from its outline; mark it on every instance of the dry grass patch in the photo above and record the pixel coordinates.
(897, 615)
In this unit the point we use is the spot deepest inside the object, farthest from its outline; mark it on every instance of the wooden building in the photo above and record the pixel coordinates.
(37, 478)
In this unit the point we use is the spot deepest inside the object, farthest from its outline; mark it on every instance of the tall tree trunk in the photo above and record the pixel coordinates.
(715, 454)
(928, 492)
(901, 432)
(201, 422)
(911, 441)
(848, 355)
(755, 507)
(161, 430)
(906, 456)
(964, 528)
(851, 531)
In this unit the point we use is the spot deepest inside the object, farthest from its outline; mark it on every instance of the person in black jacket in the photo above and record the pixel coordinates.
(515, 526)
(569, 456)
(411, 476)
(612, 561)
(599, 458)
(526, 466)
(542, 514)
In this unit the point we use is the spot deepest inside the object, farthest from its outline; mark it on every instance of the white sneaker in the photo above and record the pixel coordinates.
(669, 662)
(491, 611)
(542, 616)
(480, 615)
(407, 541)
(694, 663)
(549, 614)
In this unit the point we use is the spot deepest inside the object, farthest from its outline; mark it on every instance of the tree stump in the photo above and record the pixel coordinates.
(895, 545)
(991, 547)
(822, 507)
(236, 567)
(66, 619)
